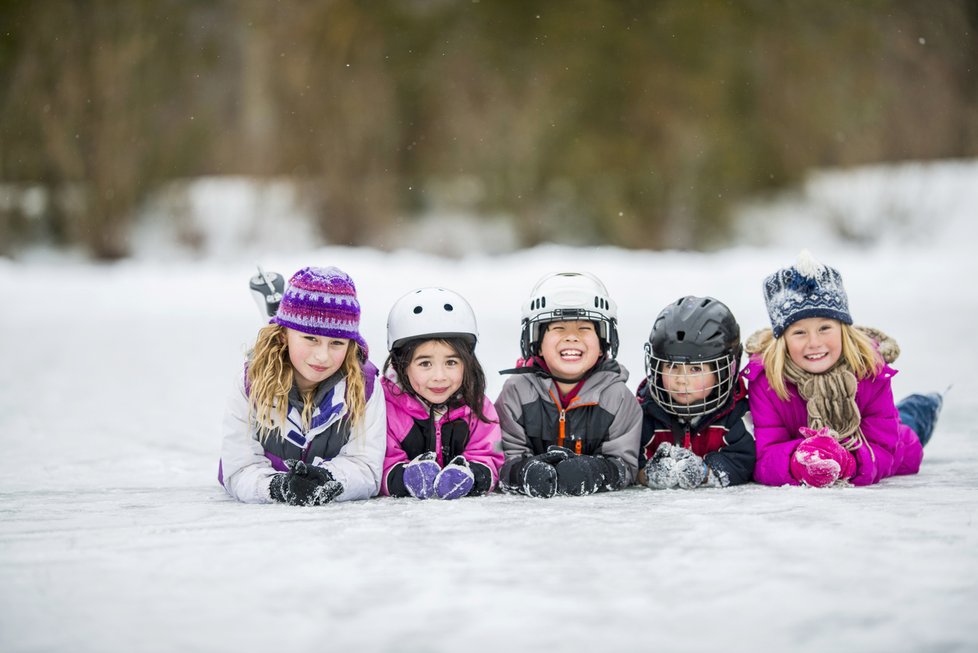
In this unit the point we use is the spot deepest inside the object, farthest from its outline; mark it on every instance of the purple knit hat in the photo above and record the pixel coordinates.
(322, 302)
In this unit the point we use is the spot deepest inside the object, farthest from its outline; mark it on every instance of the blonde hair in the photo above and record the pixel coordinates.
(270, 378)
(858, 351)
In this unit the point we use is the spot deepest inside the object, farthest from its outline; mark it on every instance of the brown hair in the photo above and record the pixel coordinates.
(473, 390)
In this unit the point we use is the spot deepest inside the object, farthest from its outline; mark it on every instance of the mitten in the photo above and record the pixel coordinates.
(690, 470)
(820, 460)
(455, 479)
(555, 455)
(579, 476)
(660, 471)
(538, 479)
(293, 487)
(530, 476)
(304, 485)
(276, 488)
(419, 475)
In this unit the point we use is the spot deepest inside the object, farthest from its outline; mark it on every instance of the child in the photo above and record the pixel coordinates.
(303, 425)
(820, 391)
(570, 425)
(442, 432)
(697, 429)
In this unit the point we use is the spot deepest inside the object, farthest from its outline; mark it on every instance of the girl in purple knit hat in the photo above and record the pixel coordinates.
(819, 389)
(303, 425)
(443, 437)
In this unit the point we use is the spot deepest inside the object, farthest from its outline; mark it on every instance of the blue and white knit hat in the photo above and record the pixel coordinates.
(807, 289)
(322, 302)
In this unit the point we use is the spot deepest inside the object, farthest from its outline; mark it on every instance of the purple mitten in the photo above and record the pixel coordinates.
(455, 480)
(819, 461)
(419, 475)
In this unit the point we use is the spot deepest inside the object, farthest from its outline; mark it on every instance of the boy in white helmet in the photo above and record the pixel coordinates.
(570, 424)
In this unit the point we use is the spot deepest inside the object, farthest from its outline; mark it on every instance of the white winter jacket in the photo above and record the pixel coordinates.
(247, 467)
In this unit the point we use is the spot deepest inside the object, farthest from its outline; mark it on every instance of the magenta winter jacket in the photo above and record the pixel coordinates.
(410, 433)
(893, 448)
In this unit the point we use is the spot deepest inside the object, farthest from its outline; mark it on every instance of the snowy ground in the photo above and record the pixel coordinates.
(115, 536)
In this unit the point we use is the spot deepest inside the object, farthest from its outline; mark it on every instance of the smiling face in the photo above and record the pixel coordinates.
(814, 344)
(570, 348)
(688, 383)
(314, 358)
(435, 372)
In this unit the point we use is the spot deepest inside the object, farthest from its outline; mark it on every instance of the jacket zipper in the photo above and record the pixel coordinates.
(562, 422)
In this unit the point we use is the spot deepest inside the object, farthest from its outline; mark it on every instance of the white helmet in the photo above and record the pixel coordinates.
(564, 296)
(431, 313)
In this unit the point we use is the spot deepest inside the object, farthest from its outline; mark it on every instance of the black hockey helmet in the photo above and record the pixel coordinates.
(693, 330)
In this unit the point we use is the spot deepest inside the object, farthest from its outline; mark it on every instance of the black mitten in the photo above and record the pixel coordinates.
(277, 487)
(580, 475)
(509, 475)
(304, 485)
(555, 455)
(538, 479)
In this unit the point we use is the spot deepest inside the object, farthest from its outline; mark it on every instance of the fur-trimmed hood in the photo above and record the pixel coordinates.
(887, 346)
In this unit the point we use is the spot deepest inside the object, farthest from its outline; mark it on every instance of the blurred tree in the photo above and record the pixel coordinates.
(629, 122)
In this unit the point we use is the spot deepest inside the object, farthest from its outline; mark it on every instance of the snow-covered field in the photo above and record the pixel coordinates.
(115, 536)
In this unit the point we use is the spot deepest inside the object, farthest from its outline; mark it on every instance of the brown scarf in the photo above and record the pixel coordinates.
(831, 401)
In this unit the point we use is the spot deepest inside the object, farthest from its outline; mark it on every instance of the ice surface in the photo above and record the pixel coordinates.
(115, 536)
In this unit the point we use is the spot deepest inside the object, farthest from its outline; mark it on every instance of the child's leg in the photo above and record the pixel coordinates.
(920, 412)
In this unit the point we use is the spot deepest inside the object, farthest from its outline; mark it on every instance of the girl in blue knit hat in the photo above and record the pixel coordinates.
(304, 425)
(819, 389)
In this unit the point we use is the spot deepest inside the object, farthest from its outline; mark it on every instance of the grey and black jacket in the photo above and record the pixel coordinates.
(604, 418)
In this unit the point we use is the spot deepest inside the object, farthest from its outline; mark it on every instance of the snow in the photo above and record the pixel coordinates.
(115, 536)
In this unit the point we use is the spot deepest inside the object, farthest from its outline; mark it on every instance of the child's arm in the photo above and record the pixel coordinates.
(509, 408)
(359, 463)
(246, 472)
(625, 432)
(879, 423)
(775, 442)
(483, 451)
(398, 425)
(733, 464)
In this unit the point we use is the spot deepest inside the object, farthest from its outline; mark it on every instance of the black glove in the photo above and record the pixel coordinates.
(304, 485)
(583, 475)
(528, 475)
(555, 455)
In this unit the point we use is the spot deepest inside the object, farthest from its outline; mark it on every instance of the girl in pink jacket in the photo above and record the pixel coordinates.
(819, 389)
(443, 437)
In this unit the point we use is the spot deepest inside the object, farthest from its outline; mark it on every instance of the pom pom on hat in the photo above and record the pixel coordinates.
(807, 289)
(322, 302)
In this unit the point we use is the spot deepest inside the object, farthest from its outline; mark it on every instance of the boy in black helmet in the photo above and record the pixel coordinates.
(696, 428)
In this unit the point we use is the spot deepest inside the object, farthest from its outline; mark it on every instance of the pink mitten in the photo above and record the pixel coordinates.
(819, 461)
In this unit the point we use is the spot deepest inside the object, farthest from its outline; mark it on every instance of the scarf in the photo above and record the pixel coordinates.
(830, 398)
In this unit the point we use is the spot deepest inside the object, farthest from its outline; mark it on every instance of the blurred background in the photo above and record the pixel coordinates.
(457, 126)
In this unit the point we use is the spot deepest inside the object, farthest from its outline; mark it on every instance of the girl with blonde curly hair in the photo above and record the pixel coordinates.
(303, 425)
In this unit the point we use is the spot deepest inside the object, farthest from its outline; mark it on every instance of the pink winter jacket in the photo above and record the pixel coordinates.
(893, 448)
(482, 447)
